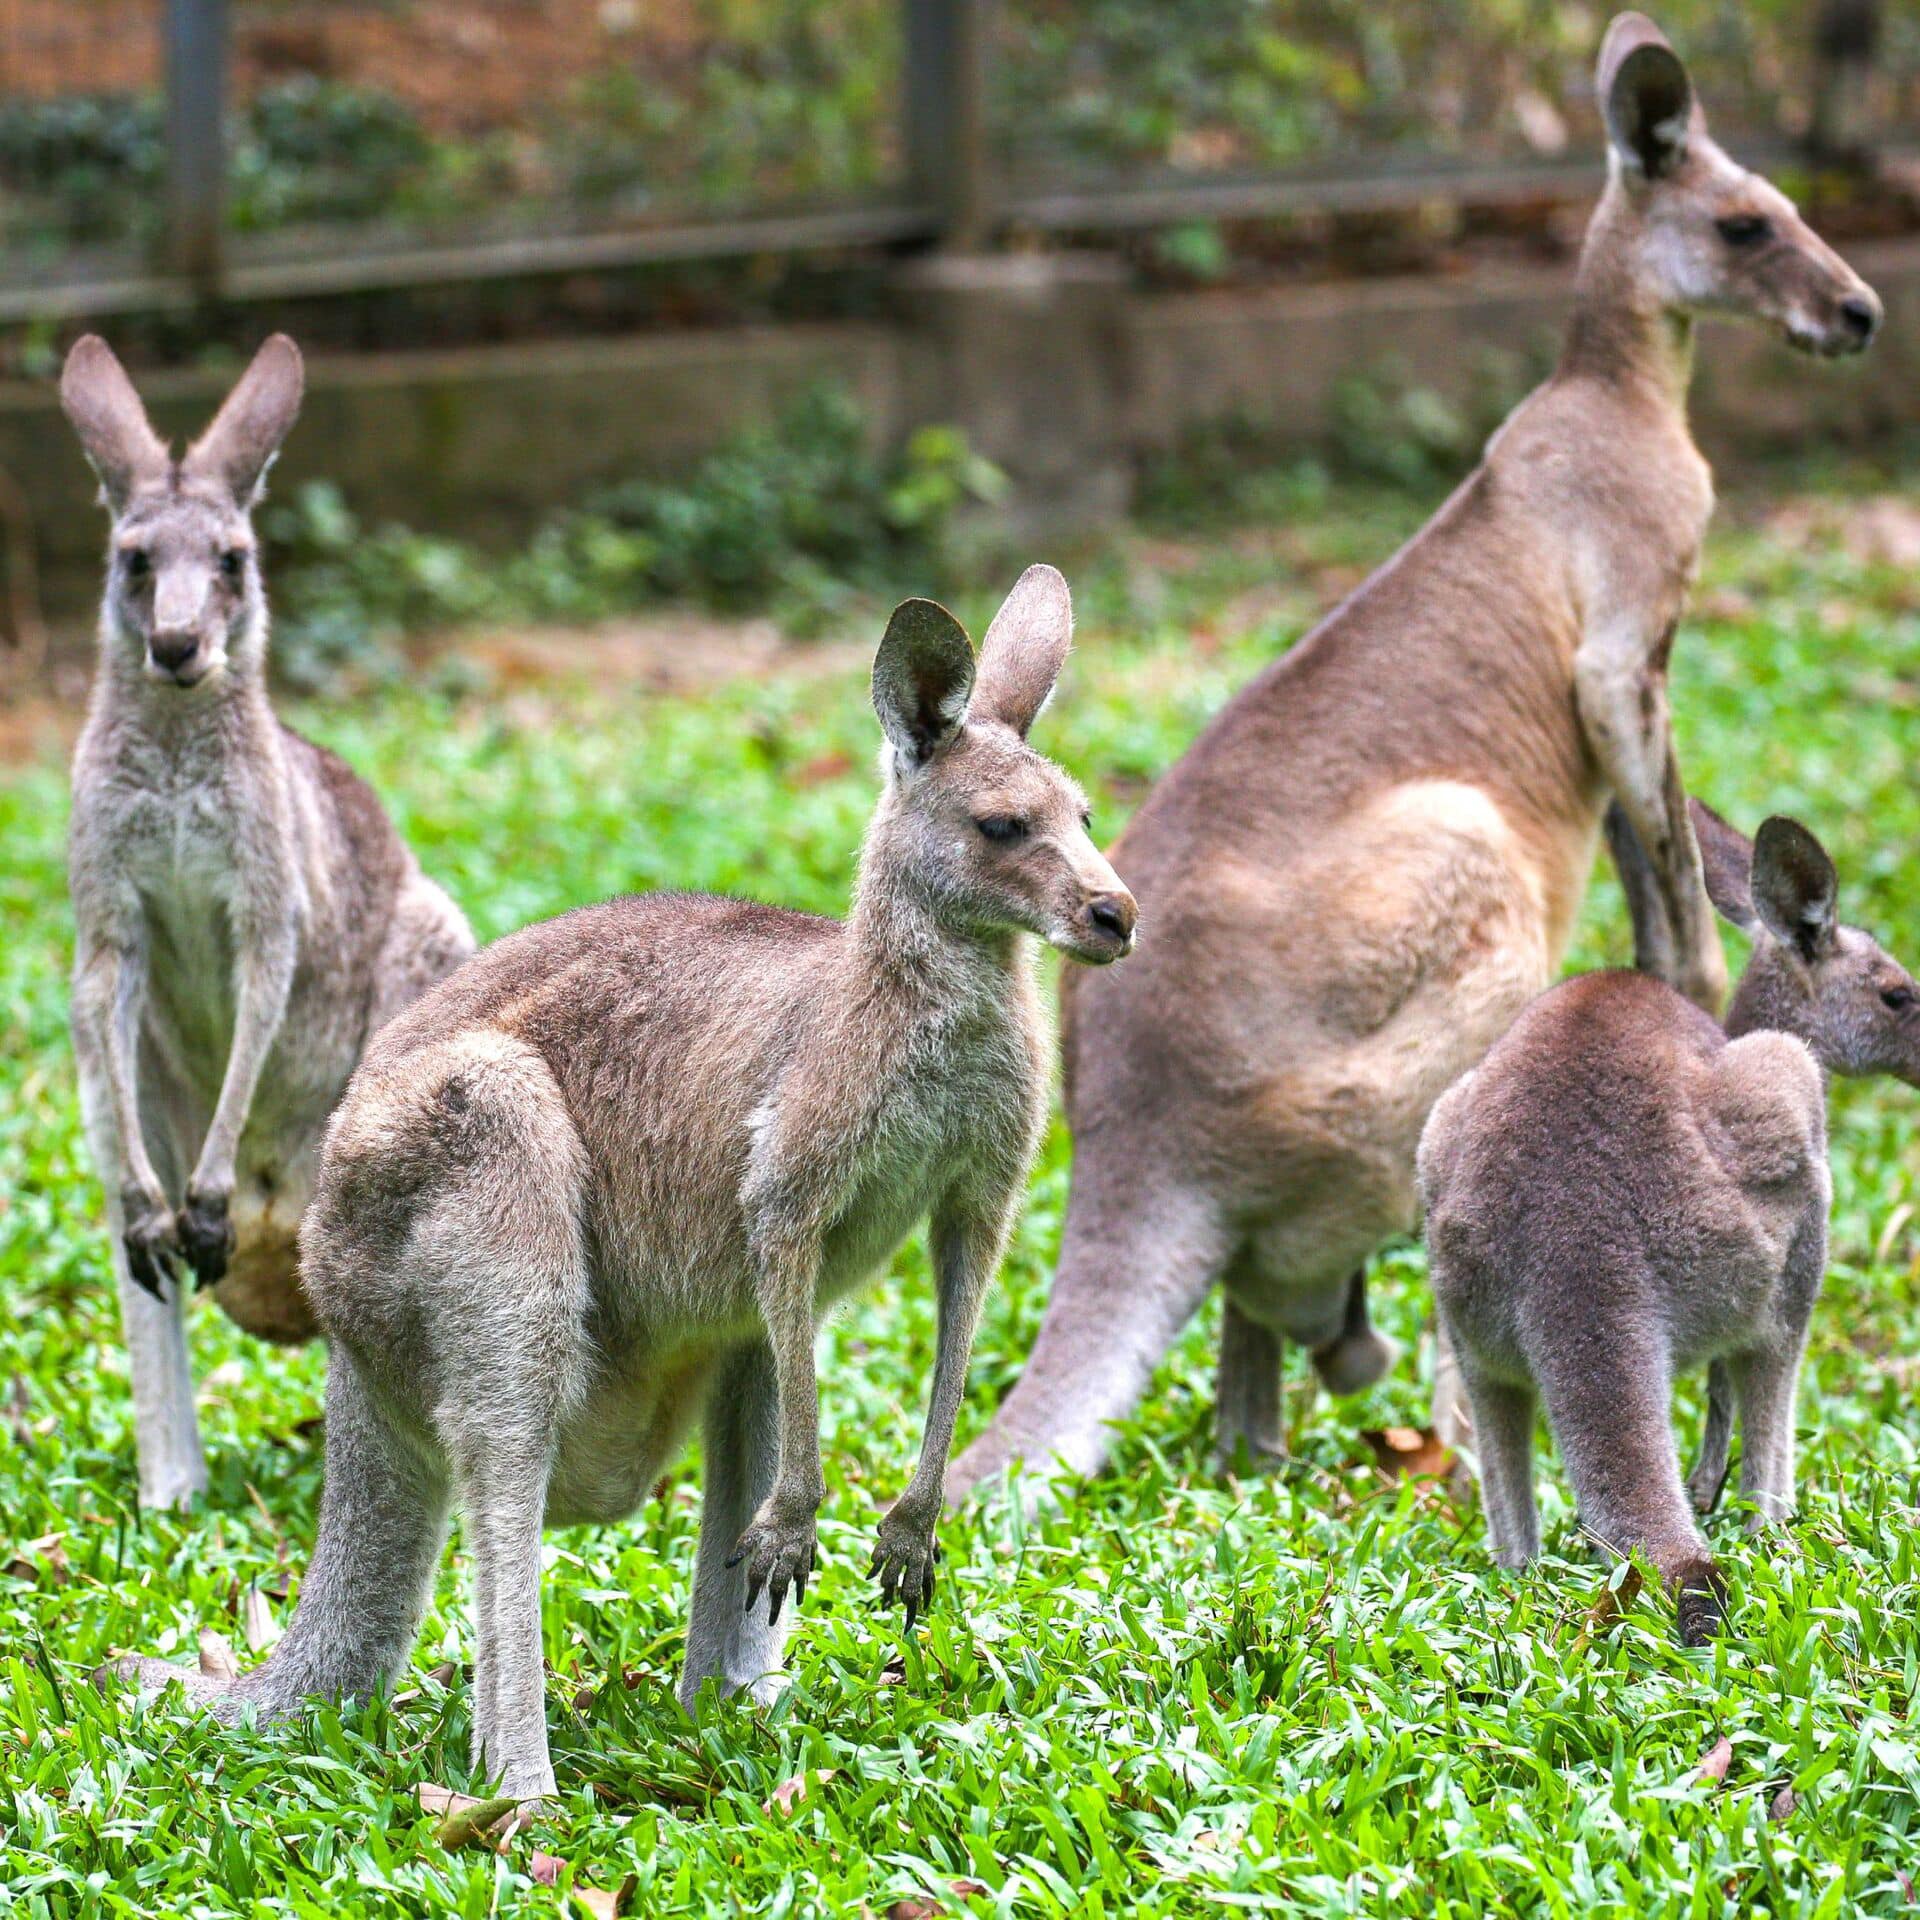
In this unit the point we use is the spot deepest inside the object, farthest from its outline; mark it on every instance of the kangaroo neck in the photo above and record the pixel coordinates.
(904, 948)
(1621, 335)
(1768, 1000)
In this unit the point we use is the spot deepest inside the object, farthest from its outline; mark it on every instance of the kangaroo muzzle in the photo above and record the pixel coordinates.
(1103, 929)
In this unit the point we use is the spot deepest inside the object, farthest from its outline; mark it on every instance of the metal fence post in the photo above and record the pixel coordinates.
(946, 107)
(197, 40)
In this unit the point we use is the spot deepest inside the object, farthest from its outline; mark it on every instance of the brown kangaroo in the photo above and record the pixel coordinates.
(1372, 859)
(1623, 1191)
(605, 1181)
(246, 914)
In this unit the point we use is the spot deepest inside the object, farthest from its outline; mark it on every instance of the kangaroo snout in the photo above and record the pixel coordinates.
(1848, 325)
(175, 655)
(1860, 315)
(1103, 928)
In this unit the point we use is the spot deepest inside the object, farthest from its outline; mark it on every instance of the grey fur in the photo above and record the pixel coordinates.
(1373, 857)
(1624, 1190)
(603, 1182)
(245, 913)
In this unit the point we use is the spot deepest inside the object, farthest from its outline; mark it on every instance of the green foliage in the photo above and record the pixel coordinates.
(785, 100)
(76, 166)
(1387, 426)
(92, 167)
(1384, 426)
(777, 100)
(1309, 1694)
(311, 149)
(1223, 85)
(799, 514)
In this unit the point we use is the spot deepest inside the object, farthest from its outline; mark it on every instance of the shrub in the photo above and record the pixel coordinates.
(796, 516)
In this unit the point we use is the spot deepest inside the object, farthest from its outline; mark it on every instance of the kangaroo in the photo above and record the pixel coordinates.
(606, 1179)
(246, 914)
(1623, 1191)
(1371, 860)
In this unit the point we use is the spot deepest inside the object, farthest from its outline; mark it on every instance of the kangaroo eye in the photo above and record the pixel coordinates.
(233, 563)
(1086, 818)
(1001, 827)
(139, 563)
(1896, 999)
(1745, 229)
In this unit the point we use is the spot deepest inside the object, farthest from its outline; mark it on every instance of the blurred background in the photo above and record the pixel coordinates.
(934, 265)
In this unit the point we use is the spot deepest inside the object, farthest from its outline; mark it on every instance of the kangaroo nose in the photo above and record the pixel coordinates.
(1861, 313)
(172, 650)
(1114, 913)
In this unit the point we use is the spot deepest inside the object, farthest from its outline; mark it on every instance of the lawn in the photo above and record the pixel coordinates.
(1309, 1693)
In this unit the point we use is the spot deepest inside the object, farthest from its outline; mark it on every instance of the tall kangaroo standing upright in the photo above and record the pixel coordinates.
(246, 914)
(1372, 858)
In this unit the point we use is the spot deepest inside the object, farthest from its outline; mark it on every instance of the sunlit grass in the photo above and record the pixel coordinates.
(1304, 1694)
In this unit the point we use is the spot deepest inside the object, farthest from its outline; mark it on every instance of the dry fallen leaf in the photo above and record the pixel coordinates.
(1715, 1762)
(50, 1548)
(789, 1793)
(257, 1621)
(1408, 1453)
(217, 1660)
(545, 1868)
(966, 1888)
(1782, 1805)
(1609, 1606)
(894, 1673)
(467, 1819)
(601, 1904)
(915, 1909)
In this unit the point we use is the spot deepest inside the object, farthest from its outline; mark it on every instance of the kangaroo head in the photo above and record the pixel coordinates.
(1832, 986)
(183, 577)
(1696, 231)
(993, 834)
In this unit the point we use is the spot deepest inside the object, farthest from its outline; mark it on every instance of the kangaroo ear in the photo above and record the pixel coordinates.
(119, 440)
(922, 679)
(1645, 97)
(1795, 889)
(1024, 650)
(240, 445)
(1726, 857)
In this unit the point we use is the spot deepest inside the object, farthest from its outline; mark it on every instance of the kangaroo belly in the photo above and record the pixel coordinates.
(1434, 930)
(624, 1435)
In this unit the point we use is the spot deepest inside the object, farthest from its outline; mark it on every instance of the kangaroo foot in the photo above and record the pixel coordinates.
(1700, 1601)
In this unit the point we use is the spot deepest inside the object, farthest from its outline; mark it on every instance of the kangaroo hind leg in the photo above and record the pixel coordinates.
(1135, 1264)
(1614, 1426)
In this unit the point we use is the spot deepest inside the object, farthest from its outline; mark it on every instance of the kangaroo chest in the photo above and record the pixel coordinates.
(180, 854)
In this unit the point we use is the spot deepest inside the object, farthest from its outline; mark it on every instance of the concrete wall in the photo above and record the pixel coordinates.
(1054, 366)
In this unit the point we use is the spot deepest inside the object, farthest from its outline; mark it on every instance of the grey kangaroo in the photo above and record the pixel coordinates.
(1624, 1191)
(605, 1180)
(1371, 860)
(246, 914)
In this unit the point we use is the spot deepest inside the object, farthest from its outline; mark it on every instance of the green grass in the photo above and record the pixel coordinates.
(1305, 1694)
